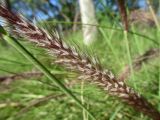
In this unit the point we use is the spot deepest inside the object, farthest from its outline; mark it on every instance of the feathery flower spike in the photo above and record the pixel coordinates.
(70, 58)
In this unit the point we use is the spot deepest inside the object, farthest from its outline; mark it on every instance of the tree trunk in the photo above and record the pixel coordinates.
(88, 17)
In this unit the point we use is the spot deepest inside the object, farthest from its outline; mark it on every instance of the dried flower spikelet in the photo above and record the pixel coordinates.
(88, 68)
(141, 17)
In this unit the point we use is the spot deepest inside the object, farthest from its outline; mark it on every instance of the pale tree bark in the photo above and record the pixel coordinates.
(88, 17)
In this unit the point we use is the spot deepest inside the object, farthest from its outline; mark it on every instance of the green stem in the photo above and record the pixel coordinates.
(113, 117)
(31, 58)
(129, 55)
(109, 42)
